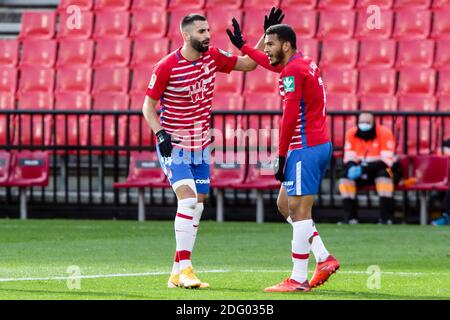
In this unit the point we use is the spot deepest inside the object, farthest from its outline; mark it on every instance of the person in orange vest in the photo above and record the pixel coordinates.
(368, 159)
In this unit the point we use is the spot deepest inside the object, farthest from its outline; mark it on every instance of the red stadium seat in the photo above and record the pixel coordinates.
(36, 129)
(267, 123)
(74, 130)
(366, 27)
(112, 24)
(141, 79)
(38, 53)
(115, 5)
(254, 22)
(175, 19)
(382, 4)
(377, 54)
(9, 53)
(444, 83)
(378, 103)
(227, 169)
(147, 52)
(7, 101)
(260, 174)
(309, 47)
(444, 106)
(75, 53)
(112, 80)
(336, 25)
(84, 5)
(219, 20)
(261, 81)
(150, 23)
(416, 81)
(146, 4)
(260, 4)
(336, 4)
(377, 81)
(412, 24)
(338, 126)
(288, 5)
(192, 4)
(417, 103)
(229, 83)
(73, 79)
(137, 100)
(340, 81)
(109, 102)
(441, 24)
(225, 101)
(412, 4)
(34, 79)
(5, 160)
(112, 53)
(341, 102)
(8, 80)
(71, 28)
(441, 4)
(38, 25)
(29, 169)
(232, 4)
(303, 22)
(419, 129)
(339, 53)
(415, 53)
(442, 59)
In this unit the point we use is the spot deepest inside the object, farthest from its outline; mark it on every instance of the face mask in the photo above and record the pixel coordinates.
(364, 127)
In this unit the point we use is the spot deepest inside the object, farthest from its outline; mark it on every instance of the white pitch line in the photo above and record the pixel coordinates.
(158, 273)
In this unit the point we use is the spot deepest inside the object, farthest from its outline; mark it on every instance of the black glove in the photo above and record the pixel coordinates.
(276, 16)
(164, 143)
(236, 35)
(278, 168)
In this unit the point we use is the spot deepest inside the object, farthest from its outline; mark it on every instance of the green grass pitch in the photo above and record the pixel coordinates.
(131, 260)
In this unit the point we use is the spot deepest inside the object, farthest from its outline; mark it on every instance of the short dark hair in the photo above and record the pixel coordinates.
(190, 18)
(284, 33)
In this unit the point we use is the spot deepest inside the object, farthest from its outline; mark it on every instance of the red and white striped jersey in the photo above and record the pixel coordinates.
(185, 89)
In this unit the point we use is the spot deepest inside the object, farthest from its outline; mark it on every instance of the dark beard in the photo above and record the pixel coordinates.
(367, 135)
(280, 57)
(197, 45)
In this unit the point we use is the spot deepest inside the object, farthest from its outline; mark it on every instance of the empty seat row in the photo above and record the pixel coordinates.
(117, 80)
(147, 52)
(198, 4)
(403, 24)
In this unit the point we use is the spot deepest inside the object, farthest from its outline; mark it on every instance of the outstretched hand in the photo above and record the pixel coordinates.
(275, 16)
(236, 35)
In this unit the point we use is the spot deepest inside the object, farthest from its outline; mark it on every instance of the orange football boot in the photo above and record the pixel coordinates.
(289, 285)
(324, 270)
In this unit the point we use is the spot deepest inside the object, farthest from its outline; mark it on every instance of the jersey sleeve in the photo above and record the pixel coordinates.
(158, 81)
(225, 61)
(260, 58)
(292, 78)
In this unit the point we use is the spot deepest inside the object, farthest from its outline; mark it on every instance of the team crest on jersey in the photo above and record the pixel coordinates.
(152, 81)
(197, 91)
(225, 53)
(289, 84)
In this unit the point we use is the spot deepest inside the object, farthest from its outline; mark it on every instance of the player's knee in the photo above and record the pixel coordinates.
(384, 186)
(185, 189)
(347, 188)
(187, 204)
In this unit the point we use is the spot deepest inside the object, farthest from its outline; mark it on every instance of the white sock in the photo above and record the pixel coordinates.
(303, 230)
(176, 264)
(184, 230)
(196, 221)
(318, 248)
